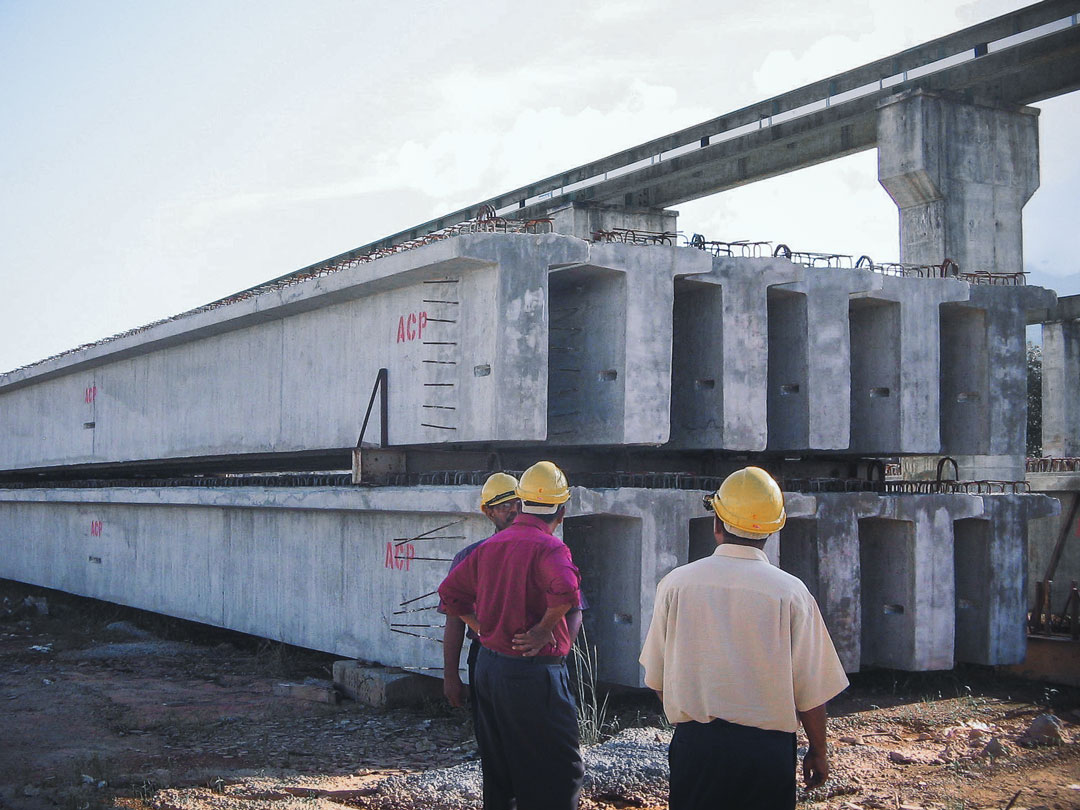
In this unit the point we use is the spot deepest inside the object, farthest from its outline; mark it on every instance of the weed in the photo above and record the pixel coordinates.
(591, 709)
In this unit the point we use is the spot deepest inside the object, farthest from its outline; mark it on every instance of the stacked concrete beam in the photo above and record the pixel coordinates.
(509, 338)
(910, 582)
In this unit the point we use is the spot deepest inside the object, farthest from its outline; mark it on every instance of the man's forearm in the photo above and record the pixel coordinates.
(573, 623)
(453, 639)
(814, 723)
(551, 617)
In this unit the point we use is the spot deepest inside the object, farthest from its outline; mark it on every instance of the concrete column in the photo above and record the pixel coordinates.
(960, 175)
(895, 365)
(1061, 389)
(820, 343)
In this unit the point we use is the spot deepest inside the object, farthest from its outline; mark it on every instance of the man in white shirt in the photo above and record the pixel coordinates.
(739, 655)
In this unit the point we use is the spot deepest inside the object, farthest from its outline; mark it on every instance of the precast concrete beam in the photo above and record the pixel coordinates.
(721, 348)
(895, 364)
(960, 174)
(1061, 389)
(991, 565)
(907, 564)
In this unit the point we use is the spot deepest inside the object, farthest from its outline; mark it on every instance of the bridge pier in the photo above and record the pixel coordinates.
(960, 174)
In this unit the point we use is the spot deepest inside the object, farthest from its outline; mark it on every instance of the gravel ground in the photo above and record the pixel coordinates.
(166, 715)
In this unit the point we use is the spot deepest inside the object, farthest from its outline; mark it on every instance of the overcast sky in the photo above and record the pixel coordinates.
(158, 155)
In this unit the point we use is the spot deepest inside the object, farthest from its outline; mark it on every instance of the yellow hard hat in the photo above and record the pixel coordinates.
(750, 502)
(543, 483)
(499, 488)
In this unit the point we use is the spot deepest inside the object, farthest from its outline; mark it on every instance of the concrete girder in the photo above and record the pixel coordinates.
(351, 571)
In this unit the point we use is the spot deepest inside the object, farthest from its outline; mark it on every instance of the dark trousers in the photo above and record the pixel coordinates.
(725, 766)
(527, 734)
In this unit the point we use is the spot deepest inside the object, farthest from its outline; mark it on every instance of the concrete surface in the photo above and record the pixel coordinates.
(511, 338)
(345, 569)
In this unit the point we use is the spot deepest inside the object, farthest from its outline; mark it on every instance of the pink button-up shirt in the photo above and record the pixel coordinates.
(511, 579)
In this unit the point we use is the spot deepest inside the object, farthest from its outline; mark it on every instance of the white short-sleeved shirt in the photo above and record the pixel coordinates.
(734, 637)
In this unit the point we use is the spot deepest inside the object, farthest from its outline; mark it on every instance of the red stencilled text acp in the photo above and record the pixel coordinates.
(411, 326)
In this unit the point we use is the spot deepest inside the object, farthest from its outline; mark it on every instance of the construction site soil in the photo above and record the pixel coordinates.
(103, 706)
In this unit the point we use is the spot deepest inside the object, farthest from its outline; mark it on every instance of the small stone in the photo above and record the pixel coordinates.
(1044, 730)
(900, 759)
(995, 748)
(850, 740)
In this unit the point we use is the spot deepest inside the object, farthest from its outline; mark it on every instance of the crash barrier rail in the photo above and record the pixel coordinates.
(1049, 464)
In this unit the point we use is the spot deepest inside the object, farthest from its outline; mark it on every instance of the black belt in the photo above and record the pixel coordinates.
(540, 660)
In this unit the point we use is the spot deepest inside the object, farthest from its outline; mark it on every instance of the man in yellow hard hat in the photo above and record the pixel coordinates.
(514, 591)
(500, 504)
(739, 655)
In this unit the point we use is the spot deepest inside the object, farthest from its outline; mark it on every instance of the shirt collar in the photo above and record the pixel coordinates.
(535, 521)
(741, 552)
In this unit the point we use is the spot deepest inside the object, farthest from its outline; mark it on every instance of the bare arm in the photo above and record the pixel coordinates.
(573, 623)
(540, 635)
(816, 761)
(453, 639)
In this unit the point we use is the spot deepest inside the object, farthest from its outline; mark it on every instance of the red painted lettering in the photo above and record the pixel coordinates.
(95, 528)
(411, 326)
(399, 557)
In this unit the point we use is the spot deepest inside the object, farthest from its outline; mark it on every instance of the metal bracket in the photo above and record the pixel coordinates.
(368, 463)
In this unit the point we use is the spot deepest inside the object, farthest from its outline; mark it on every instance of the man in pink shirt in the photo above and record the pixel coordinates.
(514, 591)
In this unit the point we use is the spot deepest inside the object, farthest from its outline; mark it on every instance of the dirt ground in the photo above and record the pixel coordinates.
(162, 714)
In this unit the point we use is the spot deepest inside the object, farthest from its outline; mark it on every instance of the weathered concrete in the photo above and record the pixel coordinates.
(960, 174)
(895, 364)
(382, 687)
(991, 559)
(587, 344)
(1061, 389)
(809, 377)
(722, 354)
(1046, 532)
(346, 570)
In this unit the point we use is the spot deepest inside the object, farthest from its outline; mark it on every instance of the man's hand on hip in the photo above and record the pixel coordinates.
(532, 641)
